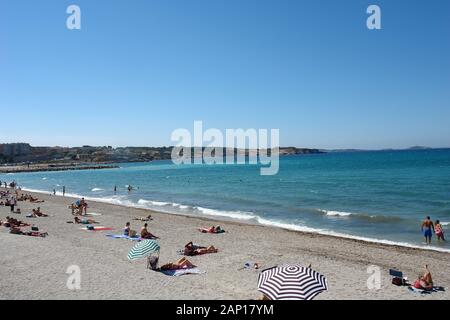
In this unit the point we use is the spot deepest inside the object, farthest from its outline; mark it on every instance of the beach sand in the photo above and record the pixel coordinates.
(35, 268)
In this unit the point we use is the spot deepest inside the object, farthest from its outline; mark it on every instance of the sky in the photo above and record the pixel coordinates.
(137, 70)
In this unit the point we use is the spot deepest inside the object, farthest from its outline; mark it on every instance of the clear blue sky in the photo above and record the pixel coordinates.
(139, 69)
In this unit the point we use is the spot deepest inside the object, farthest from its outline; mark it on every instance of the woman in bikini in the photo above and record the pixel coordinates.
(439, 231)
(425, 281)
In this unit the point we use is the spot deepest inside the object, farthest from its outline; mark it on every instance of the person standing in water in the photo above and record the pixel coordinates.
(427, 229)
(439, 231)
(64, 191)
(115, 188)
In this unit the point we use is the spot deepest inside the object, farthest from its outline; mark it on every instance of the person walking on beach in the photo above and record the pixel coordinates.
(439, 231)
(54, 191)
(427, 229)
(13, 204)
(64, 191)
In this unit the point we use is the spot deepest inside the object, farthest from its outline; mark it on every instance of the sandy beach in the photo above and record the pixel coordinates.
(35, 268)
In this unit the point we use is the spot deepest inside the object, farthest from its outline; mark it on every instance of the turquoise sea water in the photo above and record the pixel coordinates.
(378, 195)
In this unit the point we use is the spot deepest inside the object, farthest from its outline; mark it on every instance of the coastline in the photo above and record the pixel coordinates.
(108, 275)
(259, 222)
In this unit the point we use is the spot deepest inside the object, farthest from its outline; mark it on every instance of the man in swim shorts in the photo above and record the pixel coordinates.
(427, 229)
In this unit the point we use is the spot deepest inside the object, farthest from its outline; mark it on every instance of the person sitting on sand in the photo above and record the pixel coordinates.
(425, 281)
(439, 231)
(18, 211)
(128, 231)
(38, 213)
(192, 250)
(145, 234)
(427, 229)
(84, 221)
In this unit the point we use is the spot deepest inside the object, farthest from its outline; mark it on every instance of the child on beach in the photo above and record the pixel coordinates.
(439, 231)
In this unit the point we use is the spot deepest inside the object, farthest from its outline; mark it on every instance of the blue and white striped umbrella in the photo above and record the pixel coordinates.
(143, 249)
(291, 282)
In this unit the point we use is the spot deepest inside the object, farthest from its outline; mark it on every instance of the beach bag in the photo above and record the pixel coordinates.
(34, 229)
(89, 227)
(397, 281)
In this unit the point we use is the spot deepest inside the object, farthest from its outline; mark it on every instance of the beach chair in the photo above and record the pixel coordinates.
(397, 277)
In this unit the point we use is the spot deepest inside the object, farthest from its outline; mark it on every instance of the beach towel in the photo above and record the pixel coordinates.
(97, 228)
(180, 272)
(422, 291)
(94, 214)
(122, 236)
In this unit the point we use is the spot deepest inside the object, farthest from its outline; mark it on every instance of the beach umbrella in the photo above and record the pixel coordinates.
(143, 249)
(291, 282)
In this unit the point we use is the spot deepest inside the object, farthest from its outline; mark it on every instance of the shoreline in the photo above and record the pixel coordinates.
(107, 274)
(269, 224)
(48, 168)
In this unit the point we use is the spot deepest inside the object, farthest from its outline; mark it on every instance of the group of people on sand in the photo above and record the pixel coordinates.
(428, 228)
(79, 207)
(144, 233)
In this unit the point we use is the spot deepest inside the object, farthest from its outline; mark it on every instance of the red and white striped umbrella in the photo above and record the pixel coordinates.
(291, 282)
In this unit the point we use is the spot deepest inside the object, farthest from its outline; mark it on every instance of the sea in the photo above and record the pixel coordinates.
(379, 196)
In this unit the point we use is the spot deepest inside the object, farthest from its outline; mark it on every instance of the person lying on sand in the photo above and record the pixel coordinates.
(145, 234)
(84, 221)
(15, 230)
(212, 229)
(182, 263)
(35, 200)
(144, 219)
(191, 250)
(425, 281)
(15, 223)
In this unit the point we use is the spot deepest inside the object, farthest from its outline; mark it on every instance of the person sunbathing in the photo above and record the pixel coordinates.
(38, 213)
(84, 221)
(144, 219)
(192, 250)
(35, 200)
(16, 223)
(15, 230)
(182, 263)
(425, 281)
(145, 234)
(212, 229)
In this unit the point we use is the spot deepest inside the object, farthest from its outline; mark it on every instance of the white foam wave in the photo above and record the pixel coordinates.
(155, 203)
(240, 215)
(248, 216)
(336, 213)
(97, 189)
